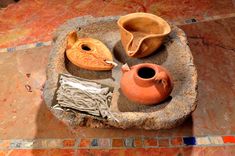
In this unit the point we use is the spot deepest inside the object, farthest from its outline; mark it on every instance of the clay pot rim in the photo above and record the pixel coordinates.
(156, 18)
(146, 65)
(153, 17)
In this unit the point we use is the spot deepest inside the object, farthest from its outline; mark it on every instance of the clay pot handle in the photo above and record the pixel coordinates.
(162, 78)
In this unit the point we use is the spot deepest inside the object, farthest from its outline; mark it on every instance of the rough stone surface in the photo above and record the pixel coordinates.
(174, 55)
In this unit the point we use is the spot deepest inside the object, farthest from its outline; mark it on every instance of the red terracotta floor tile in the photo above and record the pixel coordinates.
(215, 151)
(176, 141)
(27, 152)
(100, 152)
(214, 57)
(41, 152)
(153, 152)
(130, 152)
(117, 143)
(3, 152)
(85, 143)
(230, 150)
(34, 120)
(69, 143)
(138, 142)
(150, 142)
(61, 152)
(169, 152)
(116, 152)
(141, 151)
(209, 151)
(187, 151)
(35, 18)
(163, 142)
(193, 151)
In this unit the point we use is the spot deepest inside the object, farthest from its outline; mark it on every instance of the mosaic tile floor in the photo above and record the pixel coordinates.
(28, 128)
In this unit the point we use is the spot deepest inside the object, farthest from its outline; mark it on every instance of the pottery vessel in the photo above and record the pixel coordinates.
(146, 83)
(88, 53)
(142, 33)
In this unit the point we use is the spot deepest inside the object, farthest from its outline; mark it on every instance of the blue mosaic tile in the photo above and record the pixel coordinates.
(39, 44)
(11, 49)
(15, 144)
(94, 142)
(129, 142)
(189, 140)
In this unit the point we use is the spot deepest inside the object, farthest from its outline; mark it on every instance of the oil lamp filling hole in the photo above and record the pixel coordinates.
(86, 47)
(146, 72)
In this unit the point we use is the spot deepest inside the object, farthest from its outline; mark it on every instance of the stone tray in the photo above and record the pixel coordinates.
(174, 55)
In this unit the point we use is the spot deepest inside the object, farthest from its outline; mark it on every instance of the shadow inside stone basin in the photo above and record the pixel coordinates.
(86, 74)
(157, 57)
(125, 105)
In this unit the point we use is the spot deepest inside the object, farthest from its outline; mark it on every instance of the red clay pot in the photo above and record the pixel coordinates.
(146, 83)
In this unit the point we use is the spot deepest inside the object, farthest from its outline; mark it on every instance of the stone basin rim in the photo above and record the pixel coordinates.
(150, 120)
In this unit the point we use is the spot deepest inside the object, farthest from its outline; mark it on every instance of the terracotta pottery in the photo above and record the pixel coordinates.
(88, 53)
(142, 33)
(146, 83)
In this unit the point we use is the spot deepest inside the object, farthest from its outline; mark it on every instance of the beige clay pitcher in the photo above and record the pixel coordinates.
(142, 33)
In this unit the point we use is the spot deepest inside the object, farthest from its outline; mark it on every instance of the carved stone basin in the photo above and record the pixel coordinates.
(174, 55)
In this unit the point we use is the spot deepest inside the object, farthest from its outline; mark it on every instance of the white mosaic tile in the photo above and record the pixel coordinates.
(202, 141)
(21, 47)
(3, 50)
(47, 143)
(216, 140)
(47, 43)
(31, 45)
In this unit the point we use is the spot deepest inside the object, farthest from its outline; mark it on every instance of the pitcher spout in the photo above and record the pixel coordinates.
(131, 50)
(137, 47)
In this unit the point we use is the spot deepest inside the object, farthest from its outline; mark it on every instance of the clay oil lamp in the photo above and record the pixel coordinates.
(142, 33)
(88, 53)
(146, 83)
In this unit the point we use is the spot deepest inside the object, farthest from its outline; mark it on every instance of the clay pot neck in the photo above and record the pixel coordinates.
(145, 75)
